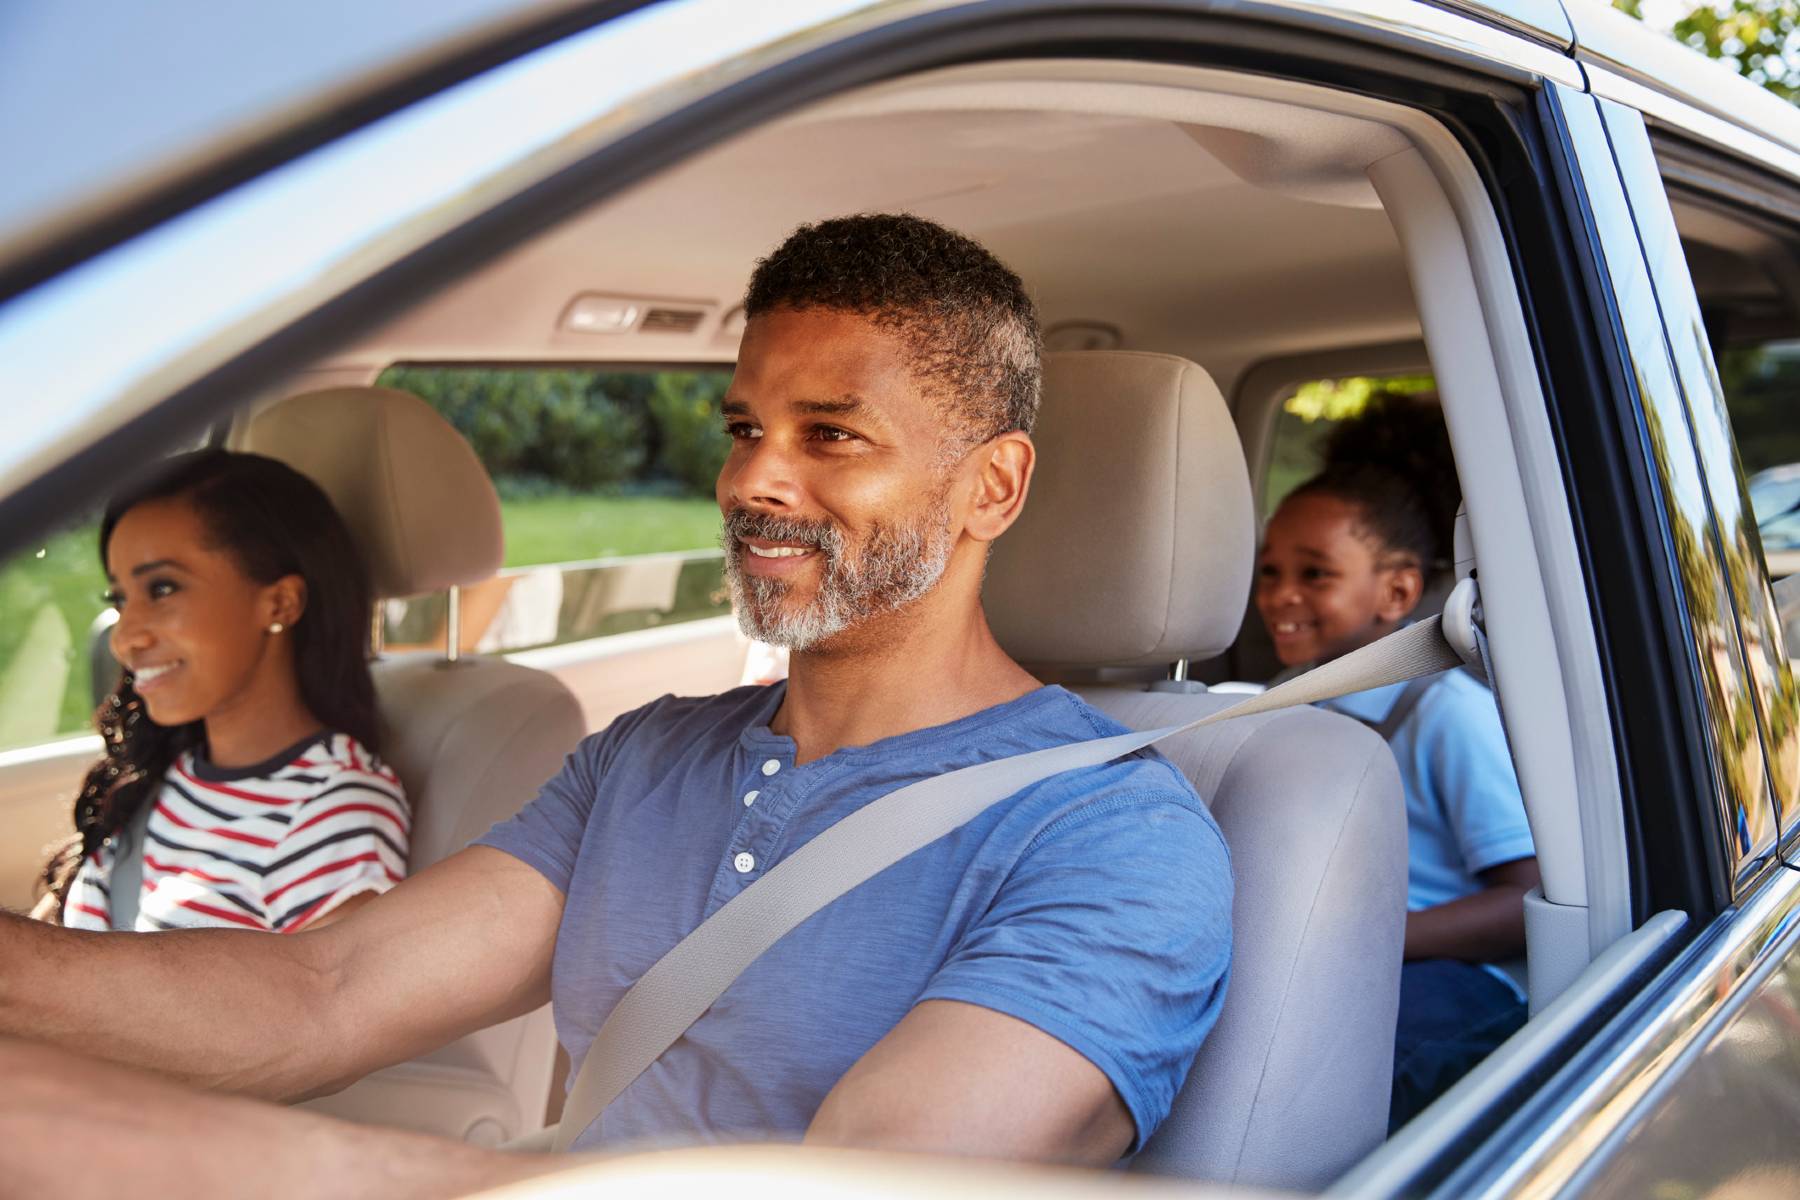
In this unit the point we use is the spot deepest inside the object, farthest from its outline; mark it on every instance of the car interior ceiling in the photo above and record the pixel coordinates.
(1279, 250)
(1235, 243)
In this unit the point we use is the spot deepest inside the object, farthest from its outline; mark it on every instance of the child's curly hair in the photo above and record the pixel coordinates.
(1394, 463)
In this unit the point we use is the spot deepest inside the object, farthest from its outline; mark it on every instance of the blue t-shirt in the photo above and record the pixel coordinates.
(1095, 905)
(1463, 809)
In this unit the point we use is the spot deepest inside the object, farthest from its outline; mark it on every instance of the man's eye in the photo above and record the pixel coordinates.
(741, 429)
(831, 433)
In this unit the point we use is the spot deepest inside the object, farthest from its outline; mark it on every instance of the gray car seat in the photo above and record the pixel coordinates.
(471, 740)
(1140, 467)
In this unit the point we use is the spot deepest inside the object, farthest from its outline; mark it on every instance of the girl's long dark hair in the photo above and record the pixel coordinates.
(1394, 463)
(274, 522)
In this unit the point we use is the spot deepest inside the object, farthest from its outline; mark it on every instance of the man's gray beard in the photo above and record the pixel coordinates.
(898, 565)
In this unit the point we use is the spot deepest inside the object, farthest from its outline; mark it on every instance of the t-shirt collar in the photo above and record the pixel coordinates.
(759, 737)
(202, 767)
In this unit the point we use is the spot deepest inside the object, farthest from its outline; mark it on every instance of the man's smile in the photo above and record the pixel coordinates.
(774, 559)
(777, 551)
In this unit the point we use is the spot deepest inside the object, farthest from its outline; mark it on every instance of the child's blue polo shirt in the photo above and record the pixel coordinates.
(1095, 906)
(1463, 809)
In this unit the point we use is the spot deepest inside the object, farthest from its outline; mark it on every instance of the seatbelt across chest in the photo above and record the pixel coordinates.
(678, 989)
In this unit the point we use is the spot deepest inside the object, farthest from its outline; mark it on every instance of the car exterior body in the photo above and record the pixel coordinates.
(144, 303)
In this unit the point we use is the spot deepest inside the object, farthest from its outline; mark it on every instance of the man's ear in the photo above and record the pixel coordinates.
(1001, 478)
(1401, 588)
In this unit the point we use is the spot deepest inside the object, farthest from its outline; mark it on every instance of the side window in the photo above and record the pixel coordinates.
(53, 626)
(1306, 418)
(606, 495)
(1761, 381)
(1724, 261)
(50, 597)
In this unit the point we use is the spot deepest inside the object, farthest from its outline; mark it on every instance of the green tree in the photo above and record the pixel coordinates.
(684, 407)
(1759, 39)
(581, 430)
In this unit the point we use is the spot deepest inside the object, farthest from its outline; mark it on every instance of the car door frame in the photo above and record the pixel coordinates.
(1462, 65)
(1674, 1028)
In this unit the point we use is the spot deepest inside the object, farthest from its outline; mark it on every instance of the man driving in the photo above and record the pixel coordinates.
(1033, 985)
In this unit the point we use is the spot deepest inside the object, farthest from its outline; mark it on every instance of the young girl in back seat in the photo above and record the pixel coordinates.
(240, 786)
(1345, 561)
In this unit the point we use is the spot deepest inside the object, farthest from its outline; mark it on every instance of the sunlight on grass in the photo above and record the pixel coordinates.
(571, 528)
(49, 595)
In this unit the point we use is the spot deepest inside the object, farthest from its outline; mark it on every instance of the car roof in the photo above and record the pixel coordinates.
(135, 116)
(154, 96)
(1608, 38)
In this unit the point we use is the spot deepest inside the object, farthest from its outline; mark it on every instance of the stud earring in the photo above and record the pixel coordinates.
(276, 627)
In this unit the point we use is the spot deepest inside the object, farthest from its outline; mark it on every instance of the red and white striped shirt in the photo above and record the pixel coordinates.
(275, 846)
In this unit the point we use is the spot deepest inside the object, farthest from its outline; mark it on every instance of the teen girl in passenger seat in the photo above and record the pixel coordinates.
(1344, 561)
(240, 786)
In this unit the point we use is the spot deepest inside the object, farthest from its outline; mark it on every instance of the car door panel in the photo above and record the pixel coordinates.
(1710, 1097)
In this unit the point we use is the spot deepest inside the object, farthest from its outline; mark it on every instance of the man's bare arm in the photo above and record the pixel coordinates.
(460, 946)
(76, 1128)
(955, 1078)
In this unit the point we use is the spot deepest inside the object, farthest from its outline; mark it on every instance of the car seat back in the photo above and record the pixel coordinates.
(472, 740)
(1140, 468)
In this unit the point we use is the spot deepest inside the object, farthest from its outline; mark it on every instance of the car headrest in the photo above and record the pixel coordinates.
(417, 501)
(1137, 540)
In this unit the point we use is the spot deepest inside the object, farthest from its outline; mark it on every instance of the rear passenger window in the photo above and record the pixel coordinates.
(606, 495)
(1761, 381)
(1307, 417)
(1740, 241)
(1745, 264)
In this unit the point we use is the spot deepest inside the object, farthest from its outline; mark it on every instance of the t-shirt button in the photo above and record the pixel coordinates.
(772, 766)
(750, 798)
(745, 863)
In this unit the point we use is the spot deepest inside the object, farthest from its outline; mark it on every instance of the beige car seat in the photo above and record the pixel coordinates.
(1140, 471)
(472, 740)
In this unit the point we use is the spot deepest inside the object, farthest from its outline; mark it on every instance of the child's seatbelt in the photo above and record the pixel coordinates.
(1404, 704)
(678, 989)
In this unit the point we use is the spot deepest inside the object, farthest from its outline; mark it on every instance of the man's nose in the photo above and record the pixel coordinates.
(765, 474)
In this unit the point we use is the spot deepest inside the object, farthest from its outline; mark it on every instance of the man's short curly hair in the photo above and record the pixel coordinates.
(972, 329)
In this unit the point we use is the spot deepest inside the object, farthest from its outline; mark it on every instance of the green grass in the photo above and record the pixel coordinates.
(45, 683)
(570, 528)
(44, 687)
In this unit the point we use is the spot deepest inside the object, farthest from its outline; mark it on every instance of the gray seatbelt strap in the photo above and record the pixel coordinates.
(1403, 707)
(678, 989)
(125, 886)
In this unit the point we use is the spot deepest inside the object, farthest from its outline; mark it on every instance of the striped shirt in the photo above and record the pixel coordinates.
(275, 846)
